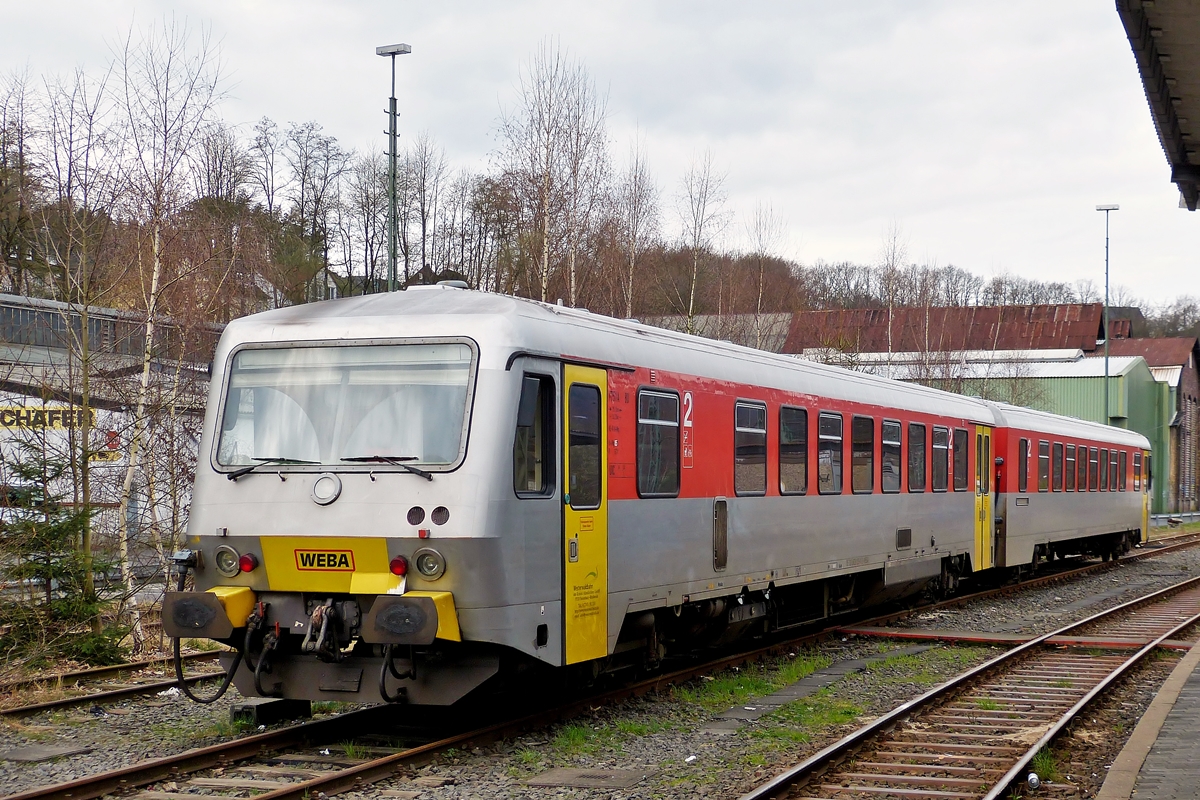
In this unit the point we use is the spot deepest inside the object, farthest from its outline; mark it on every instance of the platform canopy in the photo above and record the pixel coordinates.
(1165, 36)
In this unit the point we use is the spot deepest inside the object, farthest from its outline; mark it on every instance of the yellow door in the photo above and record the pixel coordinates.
(585, 514)
(982, 557)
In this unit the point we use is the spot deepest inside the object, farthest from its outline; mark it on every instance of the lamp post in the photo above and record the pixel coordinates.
(1106, 208)
(392, 50)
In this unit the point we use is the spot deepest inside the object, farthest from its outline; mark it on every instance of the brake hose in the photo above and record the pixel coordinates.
(183, 686)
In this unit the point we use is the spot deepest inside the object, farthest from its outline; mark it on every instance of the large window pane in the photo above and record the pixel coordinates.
(750, 449)
(1023, 466)
(1081, 470)
(1056, 468)
(1102, 466)
(1043, 466)
(1093, 469)
(1123, 468)
(1112, 470)
(584, 447)
(793, 450)
(916, 457)
(829, 454)
(862, 455)
(328, 404)
(1069, 470)
(658, 444)
(890, 463)
(940, 468)
(962, 477)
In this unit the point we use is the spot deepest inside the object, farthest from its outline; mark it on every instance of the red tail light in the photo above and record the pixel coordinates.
(248, 563)
(399, 566)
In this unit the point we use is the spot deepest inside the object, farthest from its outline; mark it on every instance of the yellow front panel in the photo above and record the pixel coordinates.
(982, 557)
(585, 531)
(327, 564)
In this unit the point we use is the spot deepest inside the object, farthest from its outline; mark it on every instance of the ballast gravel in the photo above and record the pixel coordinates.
(662, 734)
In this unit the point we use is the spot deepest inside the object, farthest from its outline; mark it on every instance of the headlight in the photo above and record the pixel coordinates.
(226, 559)
(429, 563)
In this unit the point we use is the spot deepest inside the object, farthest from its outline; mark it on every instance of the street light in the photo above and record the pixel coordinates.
(1106, 208)
(392, 50)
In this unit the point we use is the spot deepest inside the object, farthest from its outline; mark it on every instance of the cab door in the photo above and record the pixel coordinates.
(585, 514)
(982, 557)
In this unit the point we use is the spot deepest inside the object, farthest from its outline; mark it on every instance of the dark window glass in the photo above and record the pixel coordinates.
(862, 455)
(961, 464)
(889, 471)
(1102, 465)
(829, 453)
(750, 449)
(916, 457)
(533, 445)
(1023, 466)
(584, 448)
(1043, 466)
(1148, 473)
(940, 468)
(1112, 470)
(1122, 468)
(1093, 469)
(658, 444)
(793, 450)
(1069, 469)
(1137, 472)
(987, 464)
(1056, 468)
(1081, 468)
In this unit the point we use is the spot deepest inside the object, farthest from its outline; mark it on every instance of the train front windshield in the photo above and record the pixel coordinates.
(331, 405)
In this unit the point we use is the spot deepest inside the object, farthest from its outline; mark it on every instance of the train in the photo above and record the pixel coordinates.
(403, 497)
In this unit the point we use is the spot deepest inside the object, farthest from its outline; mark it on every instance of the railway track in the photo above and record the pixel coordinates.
(106, 695)
(302, 761)
(976, 735)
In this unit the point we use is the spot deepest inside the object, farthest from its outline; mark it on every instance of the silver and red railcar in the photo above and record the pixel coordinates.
(403, 495)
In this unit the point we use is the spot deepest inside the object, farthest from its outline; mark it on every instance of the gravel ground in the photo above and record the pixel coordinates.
(1039, 610)
(659, 733)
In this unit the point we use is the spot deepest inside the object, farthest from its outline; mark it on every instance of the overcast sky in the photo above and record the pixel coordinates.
(987, 131)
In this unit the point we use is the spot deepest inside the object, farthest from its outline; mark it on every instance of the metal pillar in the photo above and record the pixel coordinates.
(1107, 208)
(392, 50)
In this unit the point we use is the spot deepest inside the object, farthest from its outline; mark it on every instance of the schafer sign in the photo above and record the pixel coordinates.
(28, 417)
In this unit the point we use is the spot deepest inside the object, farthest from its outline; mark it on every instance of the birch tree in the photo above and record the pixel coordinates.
(702, 213)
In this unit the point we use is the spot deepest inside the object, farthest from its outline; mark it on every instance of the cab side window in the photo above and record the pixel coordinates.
(533, 445)
(829, 453)
(793, 450)
(750, 449)
(916, 457)
(889, 471)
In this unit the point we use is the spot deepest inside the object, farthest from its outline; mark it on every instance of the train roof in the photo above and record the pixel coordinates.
(503, 325)
(1045, 422)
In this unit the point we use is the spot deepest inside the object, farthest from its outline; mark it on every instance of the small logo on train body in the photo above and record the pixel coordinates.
(325, 560)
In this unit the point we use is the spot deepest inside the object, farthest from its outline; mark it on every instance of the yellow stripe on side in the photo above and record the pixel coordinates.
(238, 602)
(327, 564)
(447, 614)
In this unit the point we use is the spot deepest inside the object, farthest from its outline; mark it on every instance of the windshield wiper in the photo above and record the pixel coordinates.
(395, 461)
(262, 462)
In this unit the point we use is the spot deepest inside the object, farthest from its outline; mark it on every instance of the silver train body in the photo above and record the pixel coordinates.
(405, 495)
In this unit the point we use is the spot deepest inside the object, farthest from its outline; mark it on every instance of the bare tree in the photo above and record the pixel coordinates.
(170, 89)
(892, 256)
(265, 151)
(18, 185)
(637, 208)
(316, 161)
(585, 166)
(426, 173)
(222, 166)
(702, 213)
(765, 232)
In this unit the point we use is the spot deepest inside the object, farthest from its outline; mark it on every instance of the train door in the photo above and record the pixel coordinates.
(585, 514)
(982, 557)
(1145, 496)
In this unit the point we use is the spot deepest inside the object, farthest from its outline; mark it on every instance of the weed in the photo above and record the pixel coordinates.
(1063, 683)
(631, 728)
(796, 721)
(987, 704)
(1045, 764)
(529, 757)
(353, 751)
(204, 645)
(735, 687)
(578, 738)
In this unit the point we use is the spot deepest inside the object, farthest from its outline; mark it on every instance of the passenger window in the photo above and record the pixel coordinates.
(1112, 470)
(889, 475)
(829, 453)
(941, 459)
(658, 444)
(793, 450)
(1081, 467)
(583, 453)
(1122, 468)
(916, 457)
(1023, 466)
(1093, 469)
(1103, 467)
(961, 464)
(1069, 469)
(1137, 472)
(750, 449)
(533, 445)
(1043, 466)
(1056, 468)
(862, 455)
